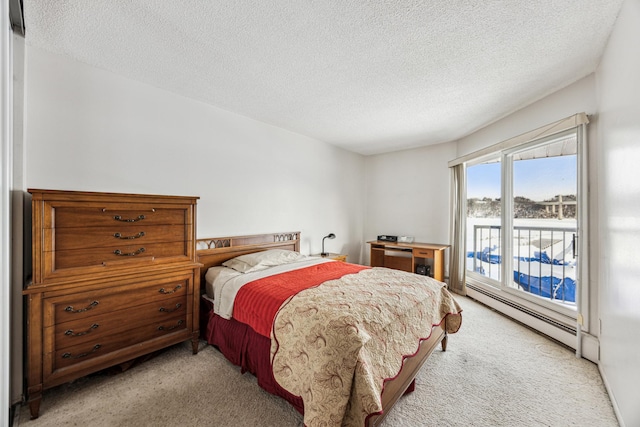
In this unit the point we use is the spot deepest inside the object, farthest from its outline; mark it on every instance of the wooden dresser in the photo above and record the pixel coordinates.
(114, 277)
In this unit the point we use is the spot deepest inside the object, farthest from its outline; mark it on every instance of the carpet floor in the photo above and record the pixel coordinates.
(495, 372)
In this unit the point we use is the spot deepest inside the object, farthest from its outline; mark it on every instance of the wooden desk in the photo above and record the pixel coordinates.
(407, 256)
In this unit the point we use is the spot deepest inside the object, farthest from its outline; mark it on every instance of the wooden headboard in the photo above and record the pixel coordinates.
(216, 250)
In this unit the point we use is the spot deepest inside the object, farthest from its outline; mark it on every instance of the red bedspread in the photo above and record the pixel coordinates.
(258, 302)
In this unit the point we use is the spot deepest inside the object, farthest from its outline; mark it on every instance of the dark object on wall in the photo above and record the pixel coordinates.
(423, 269)
(387, 238)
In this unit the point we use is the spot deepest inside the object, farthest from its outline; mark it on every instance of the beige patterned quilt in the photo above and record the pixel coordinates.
(335, 344)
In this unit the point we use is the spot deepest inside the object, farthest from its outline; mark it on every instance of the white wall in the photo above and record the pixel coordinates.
(407, 193)
(576, 98)
(619, 205)
(89, 129)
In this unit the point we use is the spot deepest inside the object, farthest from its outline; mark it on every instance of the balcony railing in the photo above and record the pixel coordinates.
(544, 259)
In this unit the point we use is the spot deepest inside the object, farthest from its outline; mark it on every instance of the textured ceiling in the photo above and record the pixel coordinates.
(369, 76)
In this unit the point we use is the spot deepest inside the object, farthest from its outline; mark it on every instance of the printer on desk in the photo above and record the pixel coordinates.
(395, 239)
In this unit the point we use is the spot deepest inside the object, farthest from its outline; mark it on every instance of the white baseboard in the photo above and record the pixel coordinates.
(614, 404)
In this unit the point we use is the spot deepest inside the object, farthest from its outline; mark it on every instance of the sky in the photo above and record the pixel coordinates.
(536, 179)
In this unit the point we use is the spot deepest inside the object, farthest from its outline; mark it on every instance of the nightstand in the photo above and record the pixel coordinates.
(336, 257)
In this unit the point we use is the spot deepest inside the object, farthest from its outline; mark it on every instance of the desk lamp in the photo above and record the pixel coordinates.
(328, 236)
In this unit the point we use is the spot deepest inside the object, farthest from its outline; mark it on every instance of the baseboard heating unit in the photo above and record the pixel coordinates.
(558, 331)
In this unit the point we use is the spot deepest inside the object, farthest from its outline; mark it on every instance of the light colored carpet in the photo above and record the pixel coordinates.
(494, 373)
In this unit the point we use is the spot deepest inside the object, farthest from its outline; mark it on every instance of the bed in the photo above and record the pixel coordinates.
(359, 380)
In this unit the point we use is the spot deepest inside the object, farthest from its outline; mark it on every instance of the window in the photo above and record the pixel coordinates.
(520, 221)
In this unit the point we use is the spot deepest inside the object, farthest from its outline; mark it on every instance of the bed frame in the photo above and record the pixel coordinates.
(214, 251)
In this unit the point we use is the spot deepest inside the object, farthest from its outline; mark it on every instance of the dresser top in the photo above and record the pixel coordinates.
(93, 195)
(419, 245)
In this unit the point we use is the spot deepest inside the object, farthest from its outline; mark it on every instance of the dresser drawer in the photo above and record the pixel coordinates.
(69, 233)
(58, 310)
(114, 236)
(125, 252)
(423, 253)
(95, 328)
(100, 346)
(123, 216)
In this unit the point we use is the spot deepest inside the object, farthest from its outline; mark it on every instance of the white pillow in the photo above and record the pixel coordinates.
(217, 273)
(213, 273)
(260, 260)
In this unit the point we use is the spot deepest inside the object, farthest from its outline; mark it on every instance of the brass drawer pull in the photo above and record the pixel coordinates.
(69, 356)
(135, 236)
(162, 291)
(81, 310)
(168, 310)
(170, 328)
(119, 218)
(70, 332)
(120, 253)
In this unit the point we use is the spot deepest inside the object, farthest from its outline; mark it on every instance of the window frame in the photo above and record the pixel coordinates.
(505, 152)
